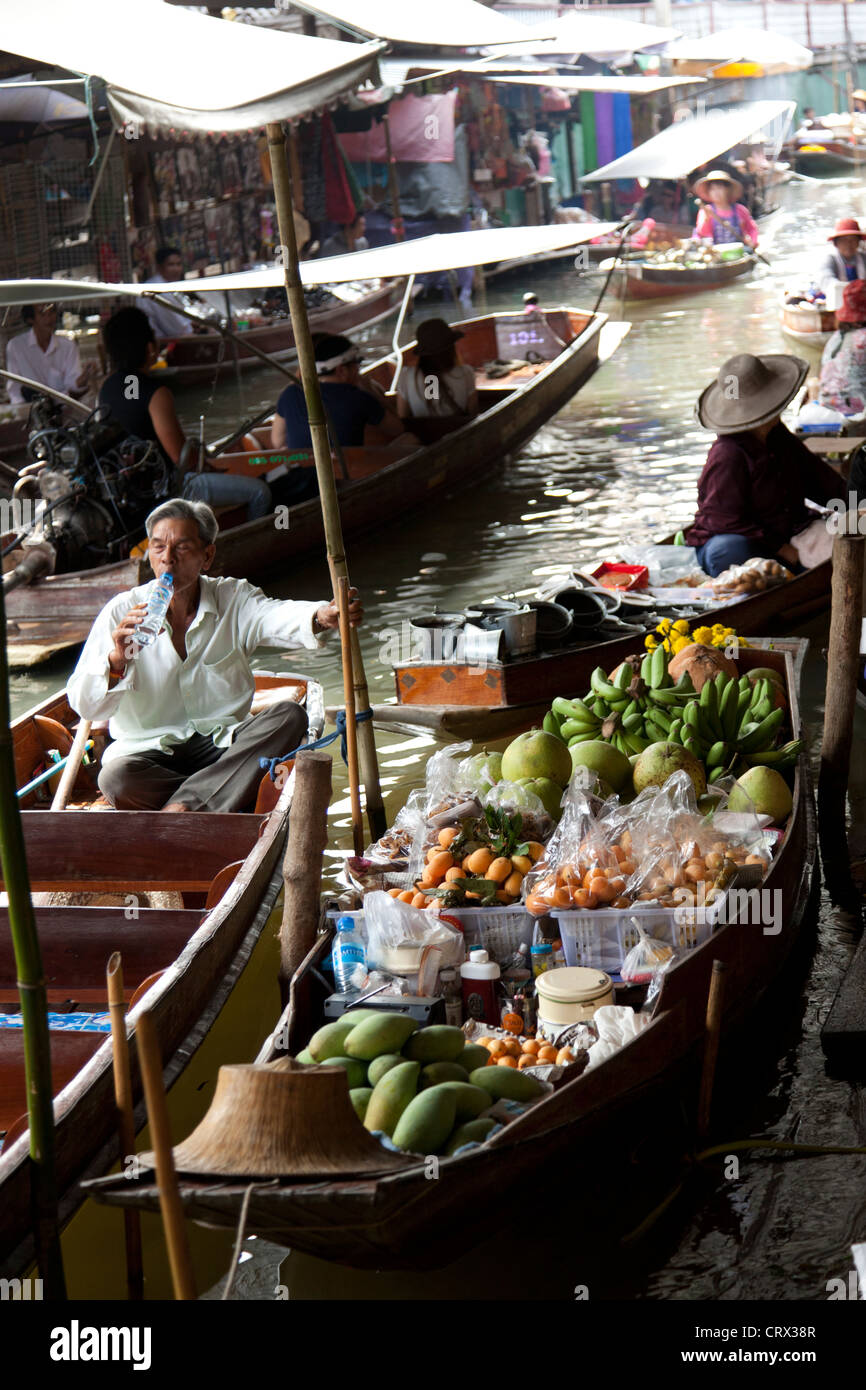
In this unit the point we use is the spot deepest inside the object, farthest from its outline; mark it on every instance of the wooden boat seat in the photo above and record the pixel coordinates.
(69, 1053)
(76, 943)
(131, 851)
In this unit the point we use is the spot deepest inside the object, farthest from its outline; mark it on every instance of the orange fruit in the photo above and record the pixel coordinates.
(453, 874)
(583, 898)
(547, 1054)
(513, 883)
(393, 892)
(420, 900)
(484, 1042)
(536, 905)
(448, 835)
(406, 896)
(527, 1059)
(521, 862)
(479, 862)
(535, 851)
(506, 1061)
(564, 1056)
(531, 1045)
(512, 1047)
(496, 1048)
(498, 870)
(562, 897)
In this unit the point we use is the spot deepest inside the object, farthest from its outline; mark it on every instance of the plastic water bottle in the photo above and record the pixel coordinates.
(347, 954)
(157, 606)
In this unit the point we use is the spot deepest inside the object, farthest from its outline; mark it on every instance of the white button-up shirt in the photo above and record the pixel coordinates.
(59, 366)
(161, 701)
(165, 322)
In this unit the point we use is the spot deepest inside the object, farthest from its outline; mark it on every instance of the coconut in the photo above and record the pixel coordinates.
(702, 664)
(661, 760)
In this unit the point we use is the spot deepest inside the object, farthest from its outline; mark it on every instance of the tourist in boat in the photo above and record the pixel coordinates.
(722, 219)
(357, 411)
(663, 202)
(753, 489)
(436, 393)
(40, 355)
(179, 709)
(166, 323)
(144, 406)
(346, 239)
(845, 260)
(843, 364)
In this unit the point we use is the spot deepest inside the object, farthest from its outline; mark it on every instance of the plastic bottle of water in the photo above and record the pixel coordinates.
(157, 607)
(347, 954)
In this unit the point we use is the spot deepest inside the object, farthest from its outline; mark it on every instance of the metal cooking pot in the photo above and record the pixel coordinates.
(437, 635)
(516, 622)
(552, 624)
(587, 608)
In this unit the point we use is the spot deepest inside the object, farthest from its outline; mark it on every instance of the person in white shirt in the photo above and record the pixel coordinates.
(40, 355)
(178, 710)
(166, 323)
(437, 388)
(846, 261)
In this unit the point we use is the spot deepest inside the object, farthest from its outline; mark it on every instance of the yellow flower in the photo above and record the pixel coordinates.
(664, 626)
(650, 643)
(682, 627)
(701, 635)
(680, 642)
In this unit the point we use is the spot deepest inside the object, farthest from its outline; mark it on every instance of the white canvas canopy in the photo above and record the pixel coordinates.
(598, 36)
(741, 45)
(595, 82)
(446, 24)
(689, 143)
(430, 253)
(172, 69)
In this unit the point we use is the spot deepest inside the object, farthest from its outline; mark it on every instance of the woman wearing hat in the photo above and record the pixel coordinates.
(437, 393)
(722, 219)
(843, 365)
(753, 489)
(845, 261)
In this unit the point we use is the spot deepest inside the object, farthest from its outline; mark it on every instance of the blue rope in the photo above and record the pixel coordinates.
(91, 116)
(270, 765)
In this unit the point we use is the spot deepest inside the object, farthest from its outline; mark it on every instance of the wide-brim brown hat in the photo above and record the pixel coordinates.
(846, 226)
(434, 336)
(701, 188)
(281, 1120)
(750, 391)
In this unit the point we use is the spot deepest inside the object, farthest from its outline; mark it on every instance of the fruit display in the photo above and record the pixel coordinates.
(429, 1096)
(480, 862)
(520, 1053)
(751, 578)
(688, 255)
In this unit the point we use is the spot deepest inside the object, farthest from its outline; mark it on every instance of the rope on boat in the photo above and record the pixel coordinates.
(270, 765)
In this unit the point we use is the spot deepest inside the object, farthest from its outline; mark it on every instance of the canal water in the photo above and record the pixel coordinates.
(619, 463)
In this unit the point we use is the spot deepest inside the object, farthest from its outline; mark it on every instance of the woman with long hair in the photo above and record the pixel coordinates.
(437, 393)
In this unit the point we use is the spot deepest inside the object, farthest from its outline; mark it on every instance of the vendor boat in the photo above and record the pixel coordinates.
(831, 157)
(215, 878)
(583, 1127)
(810, 325)
(637, 278)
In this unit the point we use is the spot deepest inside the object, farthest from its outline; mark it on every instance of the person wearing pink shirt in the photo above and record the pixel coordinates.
(722, 219)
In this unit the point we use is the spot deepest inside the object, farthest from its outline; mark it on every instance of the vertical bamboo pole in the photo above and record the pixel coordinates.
(169, 1196)
(369, 767)
(843, 660)
(125, 1122)
(302, 865)
(34, 1006)
(393, 186)
(711, 1045)
(342, 597)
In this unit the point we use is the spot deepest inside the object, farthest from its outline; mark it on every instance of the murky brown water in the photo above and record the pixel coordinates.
(627, 450)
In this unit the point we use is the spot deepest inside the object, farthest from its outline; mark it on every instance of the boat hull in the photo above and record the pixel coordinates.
(642, 281)
(807, 325)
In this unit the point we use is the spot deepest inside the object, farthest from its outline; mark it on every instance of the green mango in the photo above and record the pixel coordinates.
(380, 1065)
(355, 1071)
(360, 1098)
(437, 1072)
(472, 1056)
(385, 1032)
(504, 1083)
(329, 1040)
(390, 1097)
(427, 1122)
(475, 1131)
(471, 1100)
(438, 1043)
(306, 1058)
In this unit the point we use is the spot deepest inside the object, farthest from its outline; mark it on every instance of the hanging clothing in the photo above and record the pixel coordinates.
(843, 372)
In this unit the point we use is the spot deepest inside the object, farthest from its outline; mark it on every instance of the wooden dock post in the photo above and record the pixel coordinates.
(843, 659)
(302, 865)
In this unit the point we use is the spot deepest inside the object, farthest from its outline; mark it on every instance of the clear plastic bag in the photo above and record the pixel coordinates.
(398, 933)
(581, 868)
(753, 577)
(537, 823)
(646, 958)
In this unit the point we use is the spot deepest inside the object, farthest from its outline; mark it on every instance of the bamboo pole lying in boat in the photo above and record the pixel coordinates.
(322, 455)
(73, 763)
(34, 1005)
(302, 865)
(125, 1122)
(843, 659)
(169, 1194)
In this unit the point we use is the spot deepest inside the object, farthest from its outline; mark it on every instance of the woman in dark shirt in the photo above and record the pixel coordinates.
(753, 489)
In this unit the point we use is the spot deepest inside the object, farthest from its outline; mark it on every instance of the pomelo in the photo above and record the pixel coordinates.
(480, 772)
(537, 754)
(605, 761)
(549, 794)
(661, 760)
(766, 790)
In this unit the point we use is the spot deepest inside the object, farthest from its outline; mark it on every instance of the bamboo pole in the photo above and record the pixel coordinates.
(342, 598)
(160, 1134)
(125, 1122)
(369, 767)
(73, 763)
(302, 864)
(843, 661)
(711, 1045)
(393, 186)
(34, 1006)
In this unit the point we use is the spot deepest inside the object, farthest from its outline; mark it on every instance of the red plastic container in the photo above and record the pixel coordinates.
(621, 576)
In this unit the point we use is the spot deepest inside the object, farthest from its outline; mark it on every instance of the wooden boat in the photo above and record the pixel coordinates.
(638, 279)
(180, 962)
(807, 324)
(71, 600)
(500, 698)
(582, 1128)
(198, 357)
(379, 487)
(829, 157)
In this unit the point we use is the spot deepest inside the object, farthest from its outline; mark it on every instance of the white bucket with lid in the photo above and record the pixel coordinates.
(570, 994)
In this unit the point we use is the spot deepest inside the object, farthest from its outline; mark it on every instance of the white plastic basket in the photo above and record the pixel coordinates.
(497, 930)
(602, 938)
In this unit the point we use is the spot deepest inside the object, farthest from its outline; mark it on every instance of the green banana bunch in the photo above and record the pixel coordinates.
(783, 757)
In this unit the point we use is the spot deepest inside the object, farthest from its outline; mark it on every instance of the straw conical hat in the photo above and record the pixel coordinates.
(281, 1120)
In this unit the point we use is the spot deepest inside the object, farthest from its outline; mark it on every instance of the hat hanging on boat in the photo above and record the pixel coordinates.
(281, 1119)
(853, 306)
(846, 226)
(434, 336)
(750, 391)
(701, 188)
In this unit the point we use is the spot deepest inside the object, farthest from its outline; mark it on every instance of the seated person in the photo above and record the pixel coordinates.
(846, 261)
(356, 412)
(144, 406)
(437, 391)
(753, 489)
(179, 709)
(349, 238)
(842, 385)
(40, 355)
(722, 219)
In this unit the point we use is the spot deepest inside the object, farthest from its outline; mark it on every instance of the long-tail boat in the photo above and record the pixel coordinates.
(215, 878)
(575, 1135)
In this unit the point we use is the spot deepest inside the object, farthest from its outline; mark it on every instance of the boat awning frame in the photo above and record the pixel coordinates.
(454, 23)
(687, 144)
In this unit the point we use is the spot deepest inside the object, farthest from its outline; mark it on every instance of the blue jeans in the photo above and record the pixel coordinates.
(719, 552)
(229, 490)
